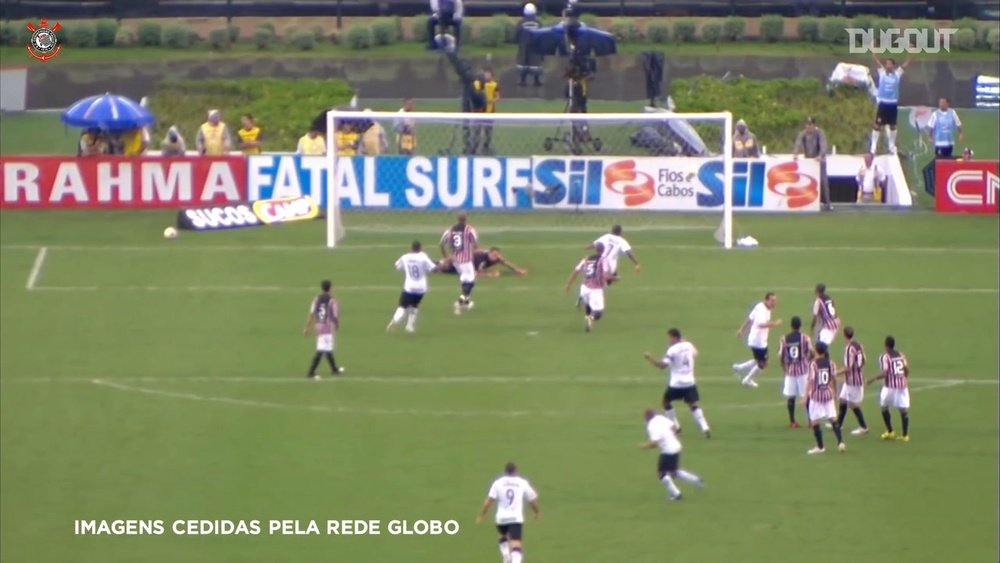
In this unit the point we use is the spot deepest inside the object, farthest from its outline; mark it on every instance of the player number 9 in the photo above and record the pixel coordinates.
(510, 497)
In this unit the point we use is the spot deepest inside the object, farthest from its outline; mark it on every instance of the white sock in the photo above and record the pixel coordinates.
(398, 315)
(504, 552)
(699, 417)
(516, 555)
(746, 365)
(671, 487)
(688, 476)
(892, 138)
(411, 322)
(874, 144)
(672, 415)
(753, 372)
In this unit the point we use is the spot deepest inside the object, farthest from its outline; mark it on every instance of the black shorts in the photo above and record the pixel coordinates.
(407, 299)
(944, 152)
(668, 463)
(510, 531)
(886, 114)
(759, 354)
(687, 394)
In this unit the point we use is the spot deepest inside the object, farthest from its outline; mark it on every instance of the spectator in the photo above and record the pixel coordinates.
(967, 154)
(811, 142)
(134, 142)
(870, 181)
(173, 143)
(373, 142)
(528, 62)
(250, 135)
(445, 14)
(311, 144)
(92, 143)
(941, 128)
(213, 136)
(346, 138)
(744, 142)
(406, 130)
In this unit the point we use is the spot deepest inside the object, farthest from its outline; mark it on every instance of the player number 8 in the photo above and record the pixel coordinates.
(793, 352)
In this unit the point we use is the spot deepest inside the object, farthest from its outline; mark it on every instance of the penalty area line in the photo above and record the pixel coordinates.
(36, 268)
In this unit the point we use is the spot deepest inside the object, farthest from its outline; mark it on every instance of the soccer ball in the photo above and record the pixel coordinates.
(170, 233)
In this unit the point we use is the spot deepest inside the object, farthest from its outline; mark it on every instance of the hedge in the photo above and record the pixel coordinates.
(711, 32)
(964, 39)
(263, 37)
(303, 40)
(385, 32)
(149, 34)
(808, 29)
(684, 30)
(775, 110)
(284, 107)
(82, 35)
(107, 30)
(491, 35)
(360, 37)
(626, 30)
(658, 33)
(834, 30)
(772, 28)
(733, 28)
(218, 39)
(177, 36)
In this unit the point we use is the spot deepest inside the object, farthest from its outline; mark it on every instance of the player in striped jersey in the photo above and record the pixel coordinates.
(595, 278)
(852, 392)
(796, 354)
(820, 390)
(825, 314)
(324, 314)
(459, 244)
(895, 388)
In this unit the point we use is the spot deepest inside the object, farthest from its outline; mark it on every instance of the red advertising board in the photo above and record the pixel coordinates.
(966, 186)
(42, 182)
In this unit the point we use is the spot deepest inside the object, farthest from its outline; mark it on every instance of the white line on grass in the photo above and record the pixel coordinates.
(36, 268)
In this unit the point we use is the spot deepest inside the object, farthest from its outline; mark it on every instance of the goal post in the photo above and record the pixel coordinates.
(651, 164)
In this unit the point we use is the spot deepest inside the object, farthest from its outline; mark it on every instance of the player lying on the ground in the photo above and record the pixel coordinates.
(482, 262)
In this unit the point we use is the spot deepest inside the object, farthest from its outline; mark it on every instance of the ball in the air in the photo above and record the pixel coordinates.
(170, 233)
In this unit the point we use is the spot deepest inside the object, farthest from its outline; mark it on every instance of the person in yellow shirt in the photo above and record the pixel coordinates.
(213, 137)
(250, 135)
(347, 139)
(311, 144)
(373, 141)
(406, 130)
(490, 88)
(134, 142)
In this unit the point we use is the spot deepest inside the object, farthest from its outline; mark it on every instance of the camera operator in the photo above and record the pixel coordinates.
(528, 62)
(445, 14)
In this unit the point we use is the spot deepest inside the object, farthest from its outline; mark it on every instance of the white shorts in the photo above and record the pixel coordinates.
(897, 398)
(826, 336)
(324, 343)
(822, 411)
(466, 272)
(853, 394)
(795, 386)
(594, 298)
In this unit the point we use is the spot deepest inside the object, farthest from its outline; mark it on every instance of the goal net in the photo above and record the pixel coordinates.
(408, 172)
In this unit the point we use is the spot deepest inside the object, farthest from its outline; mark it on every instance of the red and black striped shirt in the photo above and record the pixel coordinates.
(461, 240)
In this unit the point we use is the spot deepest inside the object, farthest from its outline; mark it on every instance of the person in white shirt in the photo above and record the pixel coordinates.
(870, 179)
(415, 265)
(509, 493)
(614, 247)
(662, 434)
(759, 324)
(679, 357)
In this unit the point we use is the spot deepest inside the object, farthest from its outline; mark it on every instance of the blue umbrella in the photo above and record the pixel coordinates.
(108, 112)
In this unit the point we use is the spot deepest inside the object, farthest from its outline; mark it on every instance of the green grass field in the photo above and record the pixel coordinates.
(153, 379)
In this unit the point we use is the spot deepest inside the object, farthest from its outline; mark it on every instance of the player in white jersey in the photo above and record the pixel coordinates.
(759, 322)
(662, 434)
(615, 246)
(509, 493)
(415, 265)
(679, 357)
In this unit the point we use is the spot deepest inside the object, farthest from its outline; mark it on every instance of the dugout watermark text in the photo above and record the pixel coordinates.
(900, 40)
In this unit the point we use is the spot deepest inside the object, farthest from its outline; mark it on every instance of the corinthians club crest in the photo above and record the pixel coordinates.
(43, 44)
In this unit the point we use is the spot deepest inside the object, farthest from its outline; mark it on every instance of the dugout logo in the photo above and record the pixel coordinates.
(43, 44)
(636, 188)
(796, 188)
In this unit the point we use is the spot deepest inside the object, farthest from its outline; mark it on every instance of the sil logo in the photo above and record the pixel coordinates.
(637, 188)
(798, 190)
(44, 44)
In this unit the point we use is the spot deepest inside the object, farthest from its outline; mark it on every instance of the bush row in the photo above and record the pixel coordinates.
(500, 30)
(284, 108)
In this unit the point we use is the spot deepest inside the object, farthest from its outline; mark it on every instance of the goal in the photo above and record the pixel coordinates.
(653, 169)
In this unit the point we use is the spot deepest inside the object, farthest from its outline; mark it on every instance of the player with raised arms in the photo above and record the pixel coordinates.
(662, 433)
(324, 315)
(679, 357)
(415, 265)
(819, 398)
(615, 246)
(509, 493)
(886, 114)
(824, 314)
(760, 324)
(459, 244)
(483, 262)
(852, 392)
(595, 278)
(895, 389)
(796, 355)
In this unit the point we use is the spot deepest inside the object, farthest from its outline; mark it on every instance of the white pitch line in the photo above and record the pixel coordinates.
(36, 268)
(521, 288)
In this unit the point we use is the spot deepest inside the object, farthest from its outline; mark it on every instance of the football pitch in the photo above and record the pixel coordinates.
(142, 378)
